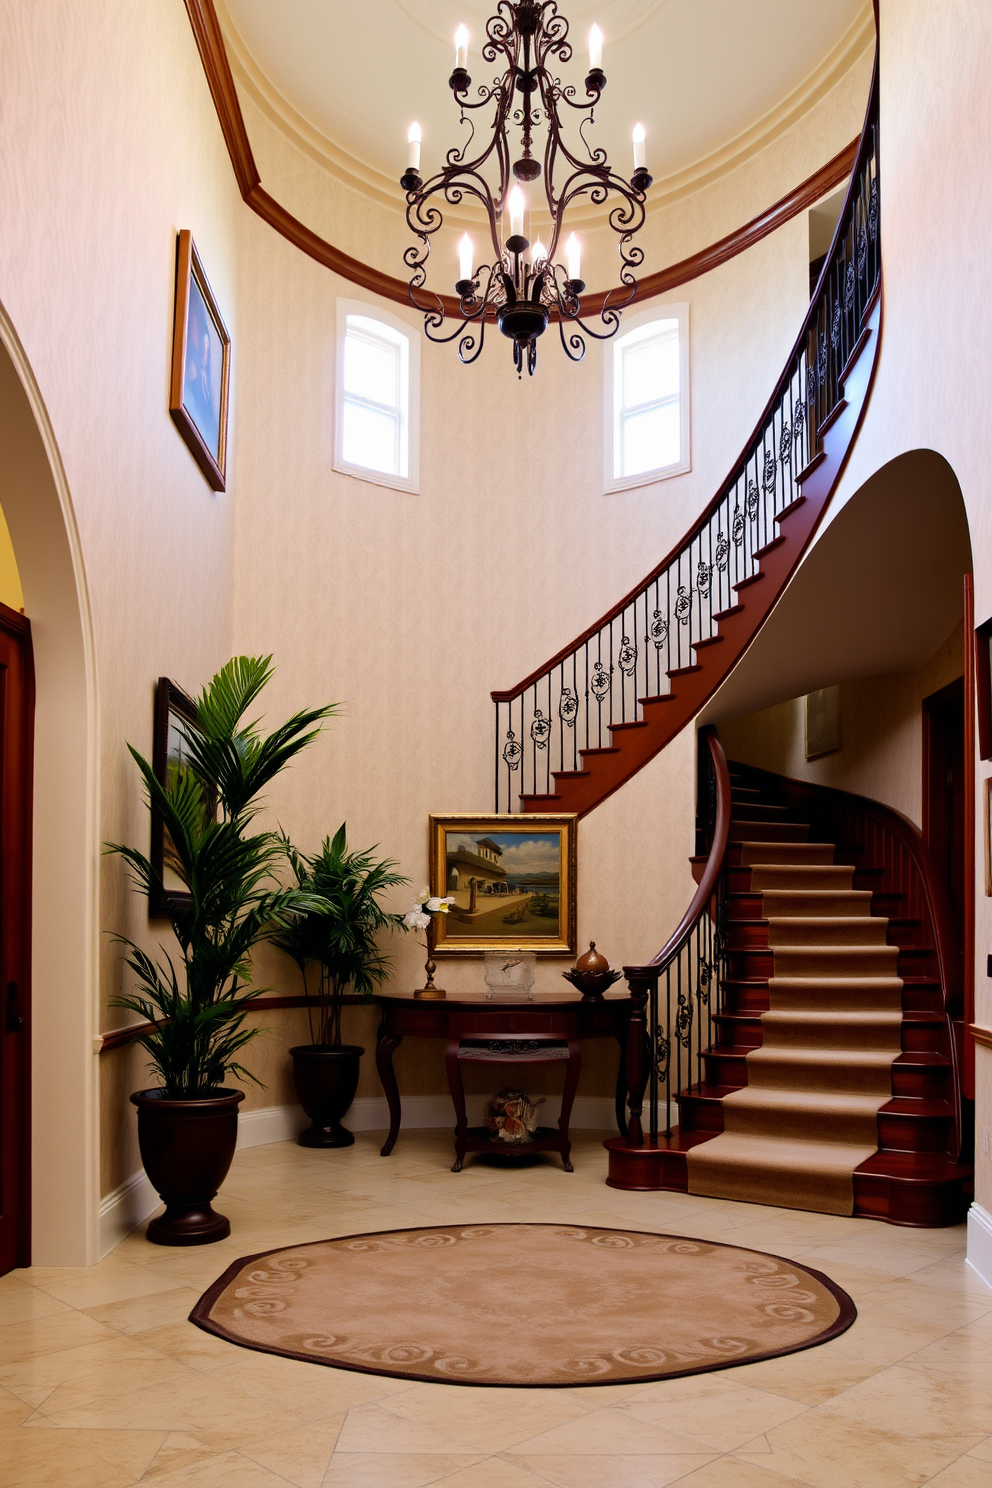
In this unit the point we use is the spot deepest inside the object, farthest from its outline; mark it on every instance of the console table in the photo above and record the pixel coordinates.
(563, 1016)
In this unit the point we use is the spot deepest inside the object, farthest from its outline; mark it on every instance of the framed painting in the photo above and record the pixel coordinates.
(175, 711)
(512, 879)
(822, 722)
(201, 366)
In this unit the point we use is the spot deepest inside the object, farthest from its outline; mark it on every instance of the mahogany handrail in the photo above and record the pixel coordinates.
(866, 144)
(714, 863)
(644, 1057)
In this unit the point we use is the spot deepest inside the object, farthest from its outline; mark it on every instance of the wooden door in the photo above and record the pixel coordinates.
(16, 741)
(944, 816)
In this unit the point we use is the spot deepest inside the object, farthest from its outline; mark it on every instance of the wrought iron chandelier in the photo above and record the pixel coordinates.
(520, 292)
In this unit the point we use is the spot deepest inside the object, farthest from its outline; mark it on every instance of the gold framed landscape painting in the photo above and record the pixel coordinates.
(512, 879)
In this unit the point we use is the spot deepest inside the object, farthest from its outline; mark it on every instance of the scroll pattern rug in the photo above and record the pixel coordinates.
(523, 1304)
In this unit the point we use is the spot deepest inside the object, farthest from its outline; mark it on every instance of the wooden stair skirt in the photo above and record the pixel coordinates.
(830, 1086)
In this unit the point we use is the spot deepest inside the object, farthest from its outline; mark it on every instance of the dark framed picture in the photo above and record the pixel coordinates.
(512, 879)
(175, 712)
(822, 722)
(983, 687)
(201, 366)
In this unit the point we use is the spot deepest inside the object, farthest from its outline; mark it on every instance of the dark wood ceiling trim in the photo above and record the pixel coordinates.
(213, 55)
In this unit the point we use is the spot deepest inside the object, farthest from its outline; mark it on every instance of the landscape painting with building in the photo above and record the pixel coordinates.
(511, 880)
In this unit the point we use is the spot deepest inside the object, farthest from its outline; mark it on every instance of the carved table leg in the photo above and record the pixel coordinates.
(620, 1097)
(386, 1046)
(572, 1071)
(457, 1089)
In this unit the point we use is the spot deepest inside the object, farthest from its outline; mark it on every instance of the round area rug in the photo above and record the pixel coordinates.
(523, 1304)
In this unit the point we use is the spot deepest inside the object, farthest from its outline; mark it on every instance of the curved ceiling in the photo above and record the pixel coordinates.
(878, 592)
(711, 80)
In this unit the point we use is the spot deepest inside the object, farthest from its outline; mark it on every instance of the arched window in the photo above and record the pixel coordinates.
(647, 399)
(378, 385)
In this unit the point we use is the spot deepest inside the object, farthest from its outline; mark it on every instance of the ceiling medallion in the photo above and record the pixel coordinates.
(521, 291)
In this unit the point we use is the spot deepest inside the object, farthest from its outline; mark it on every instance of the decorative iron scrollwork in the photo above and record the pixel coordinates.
(662, 1054)
(568, 706)
(785, 445)
(862, 250)
(627, 658)
(835, 327)
(752, 499)
(704, 572)
(683, 1019)
(768, 472)
(721, 553)
(737, 528)
(683, 604)
(540, 729)
(601, 681)
(512, 751)
(658, 631)
(873, 208)
(850, 280)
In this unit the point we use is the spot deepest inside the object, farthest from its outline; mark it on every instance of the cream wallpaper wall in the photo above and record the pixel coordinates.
(881, 753)
(109, 145)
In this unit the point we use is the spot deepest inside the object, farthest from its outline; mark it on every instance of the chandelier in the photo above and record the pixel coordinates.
(518, 290)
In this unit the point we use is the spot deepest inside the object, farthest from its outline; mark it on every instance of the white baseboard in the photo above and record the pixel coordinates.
(124, 1209)
(131, 1204)
(980, 1242)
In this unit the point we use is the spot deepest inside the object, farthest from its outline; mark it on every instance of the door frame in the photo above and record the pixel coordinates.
(15, 853)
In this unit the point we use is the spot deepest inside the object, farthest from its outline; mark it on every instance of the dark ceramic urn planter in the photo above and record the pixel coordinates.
(187, 1147)
(326, 1078)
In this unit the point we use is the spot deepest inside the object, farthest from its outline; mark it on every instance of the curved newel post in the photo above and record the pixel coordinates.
(637, 1053)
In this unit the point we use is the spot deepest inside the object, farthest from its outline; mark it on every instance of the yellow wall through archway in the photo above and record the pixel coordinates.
(10, 580)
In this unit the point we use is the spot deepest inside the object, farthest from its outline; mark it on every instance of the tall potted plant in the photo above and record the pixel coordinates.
(196, 1004)
(339, 935)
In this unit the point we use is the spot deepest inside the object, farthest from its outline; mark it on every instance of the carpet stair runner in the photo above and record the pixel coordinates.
(828, 1088)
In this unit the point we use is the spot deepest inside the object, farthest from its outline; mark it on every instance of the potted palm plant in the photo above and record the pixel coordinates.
(195, 1005)
(339, 935)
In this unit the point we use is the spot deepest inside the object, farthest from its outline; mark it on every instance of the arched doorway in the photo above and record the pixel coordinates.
(65, 851)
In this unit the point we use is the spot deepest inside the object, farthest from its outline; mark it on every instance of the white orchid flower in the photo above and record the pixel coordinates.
(439, 906)
(416, 919)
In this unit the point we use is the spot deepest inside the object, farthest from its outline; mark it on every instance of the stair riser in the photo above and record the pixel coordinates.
(737, 1033)
(753, 962)
(916, 1204)
(771, 831)
(724, 1068)
(896, 1133)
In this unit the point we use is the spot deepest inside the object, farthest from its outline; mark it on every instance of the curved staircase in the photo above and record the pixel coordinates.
(831, 1079)
(578, 727)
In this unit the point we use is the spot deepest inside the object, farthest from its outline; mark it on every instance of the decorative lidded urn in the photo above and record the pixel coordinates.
(592, 973)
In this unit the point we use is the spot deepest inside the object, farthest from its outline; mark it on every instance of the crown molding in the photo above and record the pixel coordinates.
(367, 180)
(220, 80)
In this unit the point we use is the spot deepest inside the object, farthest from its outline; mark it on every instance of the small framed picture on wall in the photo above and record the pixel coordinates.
(201, 366)
(175, 714)
(988, 836)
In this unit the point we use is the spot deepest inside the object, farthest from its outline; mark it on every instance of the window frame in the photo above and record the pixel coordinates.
(409, 416)
(670, 310)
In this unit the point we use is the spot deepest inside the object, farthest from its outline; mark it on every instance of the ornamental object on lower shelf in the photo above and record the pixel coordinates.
(511, 1117)
(592, 973)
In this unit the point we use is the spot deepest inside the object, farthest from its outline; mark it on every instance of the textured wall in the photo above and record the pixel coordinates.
(108, 145)
(934, 384)
(881, 721)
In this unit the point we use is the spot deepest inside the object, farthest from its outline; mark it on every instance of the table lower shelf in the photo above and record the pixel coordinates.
(479, 1139)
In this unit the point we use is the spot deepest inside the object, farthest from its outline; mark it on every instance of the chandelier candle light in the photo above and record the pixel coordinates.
(528, 38)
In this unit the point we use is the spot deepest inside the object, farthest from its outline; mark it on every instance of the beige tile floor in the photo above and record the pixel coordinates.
(104, 1382)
